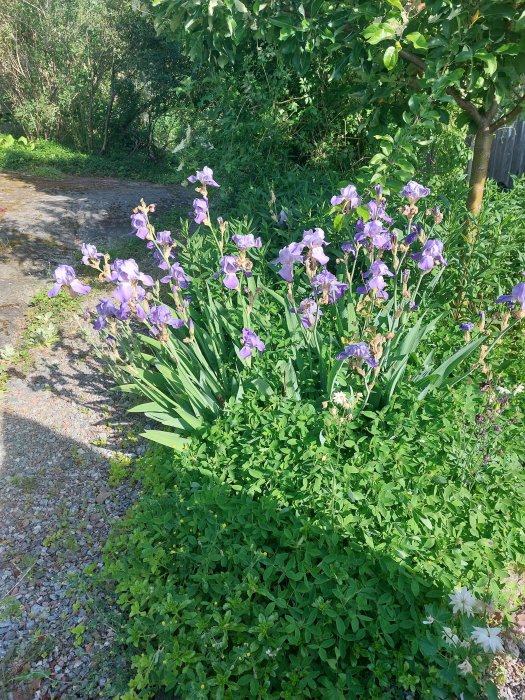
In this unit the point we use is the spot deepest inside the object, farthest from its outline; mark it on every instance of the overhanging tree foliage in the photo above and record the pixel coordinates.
(468, 55)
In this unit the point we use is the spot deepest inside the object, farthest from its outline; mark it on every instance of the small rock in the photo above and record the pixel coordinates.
(102, 496)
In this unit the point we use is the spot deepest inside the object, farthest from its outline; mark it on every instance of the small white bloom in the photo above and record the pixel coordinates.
(429, 620)
(341, 399)
(519, 389)
(465, 667)
(503, 390)
(462, 600)
(488, 638)
(450, 637)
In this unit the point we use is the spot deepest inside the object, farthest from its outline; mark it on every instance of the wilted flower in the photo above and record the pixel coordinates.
(310, 311)
(517, 296)
(250, 342)
(90, 254)
(488, 638)
(139, 222)
(328, 285)
(200, 211)
(428, 620)
(177, 277)
(462, 601)
(465, 667)
(229, 268)
(204, 176)
(348, 198)
(360, 352)
(413, 191)
(314, 240)
(246, 242)
(65, 276)
(287, 257)
(436, 214)
(432, 254)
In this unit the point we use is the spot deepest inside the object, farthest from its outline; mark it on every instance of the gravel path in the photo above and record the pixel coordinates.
(62, 435)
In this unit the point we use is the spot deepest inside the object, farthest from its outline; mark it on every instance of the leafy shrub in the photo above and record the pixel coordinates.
(266, 560)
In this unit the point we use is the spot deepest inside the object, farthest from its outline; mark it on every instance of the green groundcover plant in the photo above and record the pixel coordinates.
(266, 560)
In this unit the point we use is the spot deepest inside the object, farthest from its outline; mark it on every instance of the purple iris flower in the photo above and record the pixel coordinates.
(250, 342)
(328, 285)
(517, 296)
(310, 311)
(229, 268)
(160, 260)
(140, 224)
(288, 256)
(348, 197)
(204, 176)
(127, 274)
(467, 326)
(374, 231)
(200, 210)
(246, 242)
(65, 276)
(164, 240)
(415, 231)
(348, 248)
(90, 253)
(283, 218)
(432, 254)
(413, 191)
(314, 240)
(375, 280)
(123, 312)
(160, 317)
(105, 308)
(377, 211)
(360, 351)
(177, 277)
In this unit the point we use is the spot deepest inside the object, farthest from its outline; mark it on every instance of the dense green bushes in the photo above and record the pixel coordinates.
(273, 560)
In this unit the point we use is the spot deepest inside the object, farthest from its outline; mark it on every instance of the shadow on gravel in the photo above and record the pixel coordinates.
(57, 630)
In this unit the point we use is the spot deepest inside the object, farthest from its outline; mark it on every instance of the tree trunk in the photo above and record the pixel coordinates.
(480, 167)
(109, 110)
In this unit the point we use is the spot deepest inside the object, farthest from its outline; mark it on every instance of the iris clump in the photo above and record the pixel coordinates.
(356, 325)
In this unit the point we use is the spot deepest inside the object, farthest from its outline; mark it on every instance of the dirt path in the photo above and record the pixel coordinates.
(46, 220)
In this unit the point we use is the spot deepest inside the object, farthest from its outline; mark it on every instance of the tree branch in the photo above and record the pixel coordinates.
(510, 116)
(412, 58)
(466, 105)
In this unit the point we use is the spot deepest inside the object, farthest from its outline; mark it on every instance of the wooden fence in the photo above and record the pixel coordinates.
(507, 157)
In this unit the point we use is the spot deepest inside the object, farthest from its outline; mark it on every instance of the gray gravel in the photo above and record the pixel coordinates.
(61, 427)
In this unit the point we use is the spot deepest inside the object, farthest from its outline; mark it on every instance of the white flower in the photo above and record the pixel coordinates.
(465, 667)
(429, 620)
(519, 389)
(450, 637)
(341, 399)
(462, 601)
(488, 638)
(503, 390)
